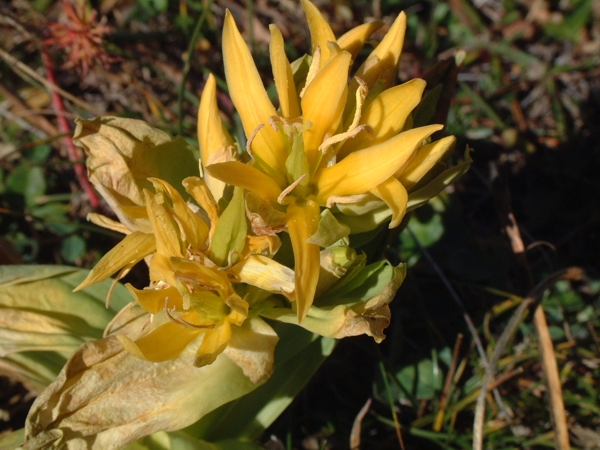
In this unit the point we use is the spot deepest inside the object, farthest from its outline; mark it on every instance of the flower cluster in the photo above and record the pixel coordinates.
(251, 237)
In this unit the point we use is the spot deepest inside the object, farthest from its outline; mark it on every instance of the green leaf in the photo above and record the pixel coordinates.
(72, 248)
(329, 231)
(27, 181)
(39, 311)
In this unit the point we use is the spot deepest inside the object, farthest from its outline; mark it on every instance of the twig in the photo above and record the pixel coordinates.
(72, 151)
(461, 306)
(573, 273)
(439, 420)
(28, 71)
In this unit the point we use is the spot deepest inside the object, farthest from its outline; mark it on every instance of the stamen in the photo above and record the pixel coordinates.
(361, 94)
(341, 199)
(327, 143)
(313, 70)
(289, 189)
(251, 138)
(181, 322)
(121, 274)
(117, 317)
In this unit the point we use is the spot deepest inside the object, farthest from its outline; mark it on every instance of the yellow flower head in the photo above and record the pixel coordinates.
(331, 142)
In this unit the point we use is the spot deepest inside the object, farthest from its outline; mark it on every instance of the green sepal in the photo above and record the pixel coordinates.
(329, 231)
(231, 230)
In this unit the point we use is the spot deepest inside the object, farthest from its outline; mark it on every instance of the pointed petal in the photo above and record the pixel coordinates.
(424, 160)
(197, 273)
(250, 97)
(252, 347)
(129, 251)
(247, 177)
(166, 230)
(365, 169)
(195, 229)
(395, 196)
(213, 344)
(303, 222)
(320, 31)
(282, 73)
(323, 103)
(155, 300)
(199, 190)
(383, 60)
(386, 115)
(165, 342)
(213, 137)
(354, 40)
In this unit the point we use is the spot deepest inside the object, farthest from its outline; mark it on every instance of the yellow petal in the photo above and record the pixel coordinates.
(303, 222)
(250, 98)
(106, 222)
(386, 115)
(354, 40)
(323, 103)
(383, 60)
(164, 343)
(395, 196)
(282, 73)
(155, 300)
(424, 160)
(192, 272)
(195, 229)
(263, 272)
(166, 230)
(320, 31)
(199, 190)
(213, 137)
(128, 252)
(213, 344)
(365, 169)
(247, 177)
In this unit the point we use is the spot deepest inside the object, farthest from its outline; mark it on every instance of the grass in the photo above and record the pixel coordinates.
(527, 101)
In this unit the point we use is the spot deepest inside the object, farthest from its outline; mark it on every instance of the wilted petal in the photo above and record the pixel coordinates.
(386, 115)
(213, 137)
(282, 73)
(303, 222)
(354, 40)
(425, 158)
(236, 173)
(249, 96)
(320, 31)
(252, 347)
(128, 252)
(123, 153)
(105, 397)
(368, 317)
(394, 194)
(365, 169)
(198, 189)
(323, 103)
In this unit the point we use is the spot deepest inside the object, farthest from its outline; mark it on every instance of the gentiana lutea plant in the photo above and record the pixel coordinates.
(252, 256)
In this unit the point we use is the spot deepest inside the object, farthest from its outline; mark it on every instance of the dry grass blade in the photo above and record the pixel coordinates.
(357, 426)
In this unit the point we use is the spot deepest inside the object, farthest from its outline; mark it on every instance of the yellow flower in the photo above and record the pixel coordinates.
(331, 141)
(193, 269)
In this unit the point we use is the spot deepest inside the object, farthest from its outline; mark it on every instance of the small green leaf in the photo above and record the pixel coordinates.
(330, 230)
(72, 248)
